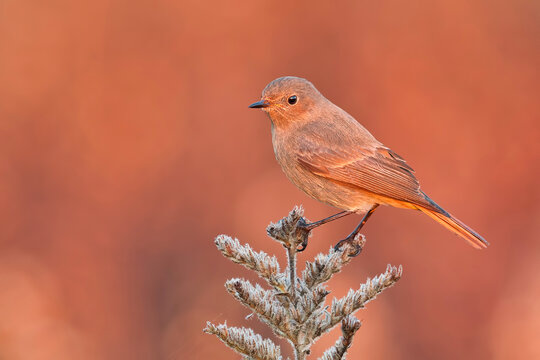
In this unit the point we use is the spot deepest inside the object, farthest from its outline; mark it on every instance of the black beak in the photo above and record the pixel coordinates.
(259, 104)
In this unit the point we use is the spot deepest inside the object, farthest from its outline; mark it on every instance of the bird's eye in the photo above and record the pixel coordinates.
(292, 99)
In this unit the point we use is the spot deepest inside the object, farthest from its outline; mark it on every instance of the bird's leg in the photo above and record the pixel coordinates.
(356, 230)
(302, 225)
(315, 224)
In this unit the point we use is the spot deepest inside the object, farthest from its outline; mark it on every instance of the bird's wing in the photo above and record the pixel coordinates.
(378, 170)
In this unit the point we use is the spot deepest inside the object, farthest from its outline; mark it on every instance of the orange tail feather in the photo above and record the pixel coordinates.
(457, 227)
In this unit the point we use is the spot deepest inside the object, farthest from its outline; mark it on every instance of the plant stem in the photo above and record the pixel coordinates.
(291, 254)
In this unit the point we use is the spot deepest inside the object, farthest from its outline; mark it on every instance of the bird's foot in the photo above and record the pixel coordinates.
(352, 244)
(305, 231)
(305, 228)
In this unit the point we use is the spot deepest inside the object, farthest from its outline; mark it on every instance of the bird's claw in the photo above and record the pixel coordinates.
(303, 245)
(355, 248)
(304, 229)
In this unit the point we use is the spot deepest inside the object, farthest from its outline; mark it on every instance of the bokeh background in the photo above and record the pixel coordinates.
(126, 146)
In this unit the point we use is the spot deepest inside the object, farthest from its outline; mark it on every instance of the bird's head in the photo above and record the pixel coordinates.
(288, 99)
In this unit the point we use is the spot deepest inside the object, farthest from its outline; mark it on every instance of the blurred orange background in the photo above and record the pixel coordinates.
(127, 146)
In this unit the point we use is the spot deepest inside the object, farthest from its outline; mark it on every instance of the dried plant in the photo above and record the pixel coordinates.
(294, 307)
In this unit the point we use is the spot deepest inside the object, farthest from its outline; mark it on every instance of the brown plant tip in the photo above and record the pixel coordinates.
(355, 300)
(264, 303)
(349, 326)
(325, 265)
(287, 230)
(267, 267)
(245, 341)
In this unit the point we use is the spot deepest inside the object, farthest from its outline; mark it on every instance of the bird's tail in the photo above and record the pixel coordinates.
(453, 224)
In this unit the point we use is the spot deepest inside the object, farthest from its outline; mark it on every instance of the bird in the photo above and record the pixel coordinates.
(332, 158)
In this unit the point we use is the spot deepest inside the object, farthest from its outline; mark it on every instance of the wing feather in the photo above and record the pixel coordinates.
(378, 170)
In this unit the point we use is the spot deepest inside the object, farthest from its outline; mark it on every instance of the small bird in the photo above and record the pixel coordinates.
(330, 156)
